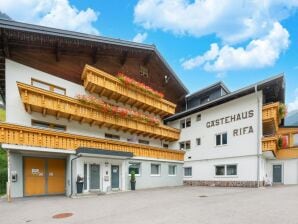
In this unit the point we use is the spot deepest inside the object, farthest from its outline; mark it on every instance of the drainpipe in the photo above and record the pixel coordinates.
(258, 138)
(8, 184)
(71, 174)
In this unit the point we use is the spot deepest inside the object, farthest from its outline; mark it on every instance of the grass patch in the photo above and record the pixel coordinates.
(2, 114)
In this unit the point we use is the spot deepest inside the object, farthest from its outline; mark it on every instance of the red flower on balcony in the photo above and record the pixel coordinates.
(116, 110)
(139, 85)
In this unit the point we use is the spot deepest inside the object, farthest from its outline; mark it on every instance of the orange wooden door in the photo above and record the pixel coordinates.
(34, 176)
(56, 176)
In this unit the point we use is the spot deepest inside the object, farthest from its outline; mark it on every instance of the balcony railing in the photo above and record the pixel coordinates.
(270, 144)
(287, 149)
(97, 81)
(270, 114)
(50, 103)
(21, 135)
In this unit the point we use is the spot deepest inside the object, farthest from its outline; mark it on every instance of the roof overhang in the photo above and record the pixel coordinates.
(94, 152)
(273, 91)
(36, 29)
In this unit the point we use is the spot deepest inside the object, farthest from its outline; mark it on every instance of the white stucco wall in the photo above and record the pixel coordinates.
(15, 111)
(289, 170)
(241, 150)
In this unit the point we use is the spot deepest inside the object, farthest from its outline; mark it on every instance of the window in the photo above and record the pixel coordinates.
(199, 117)
(144, 71)
(198, 141)
(48, 86)
(226, 170)
(155, 169)
(43, 124)
(165, 145)
(231, 170)
(184, 145)
(136, 167)
(172, 170)
(185, 123)
(187, 171)
(295, 140)
(145, 142)
(222, 139)
(219, 170)
(205, 99)
(111, 136)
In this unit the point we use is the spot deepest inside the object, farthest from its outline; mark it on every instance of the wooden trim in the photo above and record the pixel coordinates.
(23, 135)
(40, 100)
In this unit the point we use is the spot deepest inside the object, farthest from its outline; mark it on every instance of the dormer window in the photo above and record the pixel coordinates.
(205, 99)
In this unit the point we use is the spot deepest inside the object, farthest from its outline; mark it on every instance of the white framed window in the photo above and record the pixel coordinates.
(185, 123)
(184, 145)
(187, 171)
(111, 136)
(172, 170)
(155, 169)
(198, 141)
(221, 139)
(226, 170)
(136, 167)
(166, 146)
(199, 117)
(144, 142)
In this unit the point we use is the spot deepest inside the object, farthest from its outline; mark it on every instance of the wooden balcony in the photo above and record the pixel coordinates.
(50, 103)
(291, 151)
(97, 81)
(21, 135)
(269, 144)
(270, 117)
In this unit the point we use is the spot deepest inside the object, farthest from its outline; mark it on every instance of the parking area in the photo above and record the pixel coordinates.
(167, 205)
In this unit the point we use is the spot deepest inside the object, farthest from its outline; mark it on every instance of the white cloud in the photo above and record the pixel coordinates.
(232, 21)
(249, 31)
(140, 37)
(53, 13)
(258, 53)
(294, 104)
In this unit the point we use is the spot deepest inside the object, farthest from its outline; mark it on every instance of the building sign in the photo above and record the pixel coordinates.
(234, 118)
(230, 119)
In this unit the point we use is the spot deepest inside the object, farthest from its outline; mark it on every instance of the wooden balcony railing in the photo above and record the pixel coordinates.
(270, 114)
(50, 103)
(21, 135)
(269, 144)
(97, 81)
(288, 150)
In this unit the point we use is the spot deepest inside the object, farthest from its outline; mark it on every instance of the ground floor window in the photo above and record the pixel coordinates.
(172, 170)
(155, 169)
(187, 171)
(226, 170)
(136, 167)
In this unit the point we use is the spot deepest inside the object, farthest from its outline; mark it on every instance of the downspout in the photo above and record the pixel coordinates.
(258, 139)
(8, 184)
(71, 174)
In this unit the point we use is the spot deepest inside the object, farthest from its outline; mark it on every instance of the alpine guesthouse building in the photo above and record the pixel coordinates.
(89, 109)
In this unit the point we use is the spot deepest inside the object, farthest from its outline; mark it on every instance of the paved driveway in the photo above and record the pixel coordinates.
(168, 205)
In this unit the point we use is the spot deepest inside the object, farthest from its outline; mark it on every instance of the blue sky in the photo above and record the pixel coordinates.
(238, 42)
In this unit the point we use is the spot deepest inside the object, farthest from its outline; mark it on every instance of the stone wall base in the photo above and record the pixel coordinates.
(212, 183)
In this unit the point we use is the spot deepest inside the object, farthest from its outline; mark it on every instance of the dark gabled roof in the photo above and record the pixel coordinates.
(273, 90)
(94, 151)
(9, 24)
(208, 88)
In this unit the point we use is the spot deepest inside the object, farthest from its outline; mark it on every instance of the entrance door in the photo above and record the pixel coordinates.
(277, 174)
(94, 177)
(115, 176)
(34, 176)
(56, 176)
